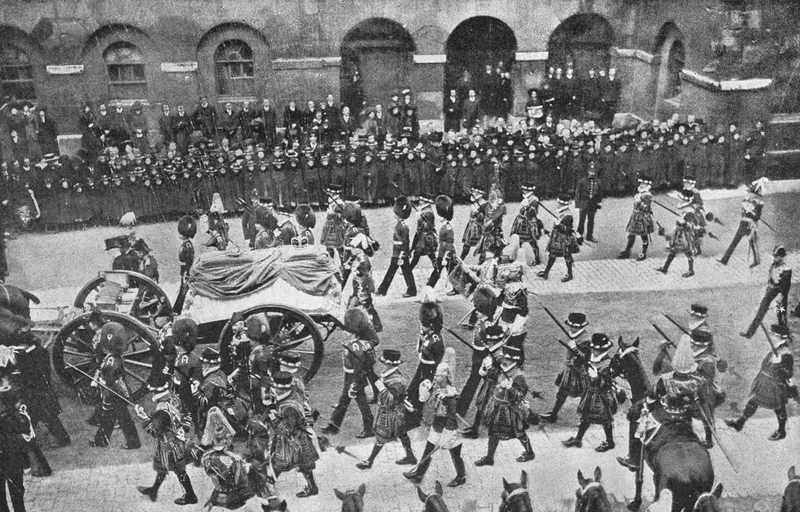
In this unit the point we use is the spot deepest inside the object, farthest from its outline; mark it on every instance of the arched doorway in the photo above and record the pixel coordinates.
(377, 57)
(582, 40)
(672, 52)
(472, 46)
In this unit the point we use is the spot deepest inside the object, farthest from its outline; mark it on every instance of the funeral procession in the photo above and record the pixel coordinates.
(399, 255)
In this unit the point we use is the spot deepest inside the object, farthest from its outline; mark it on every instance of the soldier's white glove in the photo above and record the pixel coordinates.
(487, 364)
(232, 376)
(425, 390)
(195, 387)
(181, 435)
(352, 391)
(139, 410)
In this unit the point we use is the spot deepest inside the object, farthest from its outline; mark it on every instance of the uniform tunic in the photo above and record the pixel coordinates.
(474, 230)
(562, 238)
(770, 388)
(641, 220)
(527, 224)
(425, 238)
(507, 417)
(292, 446)
(598, 404)
(389, 419)
(573, 380)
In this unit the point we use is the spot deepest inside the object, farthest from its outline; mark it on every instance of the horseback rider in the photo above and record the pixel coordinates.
(572, 381)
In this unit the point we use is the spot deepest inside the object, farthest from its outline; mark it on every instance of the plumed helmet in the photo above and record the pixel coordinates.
(218, 429)
(484, 301)
(402, 207)
(358, 323)
(262, 359)
(352, 213)
(257, 328)
(511, 249)
(683, 359)
(187, 227)
(444, 207)
(430, 315)
(113, 339)
(305, 216)
(184, 333)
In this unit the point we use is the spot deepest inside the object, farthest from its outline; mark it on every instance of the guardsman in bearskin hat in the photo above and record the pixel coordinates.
(353, 225)
(169, 427)
(333, 230)
(599, 402)
(187, 229)
(477, 215)
(773, 385)
(15, 430)
(390, 421)
(572, 381)
(446, 248)
(430, 349)
(527, 224)
(363, 283)
(188, 372)
(212, 391)
(752, 208)
(780, 280)
(492, 224)
(266, 224)
(292, 445)
(563, 240)
(425, 240)
(358, 357)
(401, 250)
(489, 347)
(509, 413)
(641, 222)
(441, 396)
(683, 239)
(297, 231)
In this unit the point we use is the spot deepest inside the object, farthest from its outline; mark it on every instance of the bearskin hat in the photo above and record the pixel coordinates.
(402, 207)
(262, 215)
(257, 328)
(161, 422)
(113, 339)
(430, 315)
(358, 323)
(352, 213)
(305, 216)
(444, 207)
(187, 227)
(184, 332)
(484, 301)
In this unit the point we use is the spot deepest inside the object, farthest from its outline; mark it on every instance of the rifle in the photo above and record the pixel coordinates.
(769, 340)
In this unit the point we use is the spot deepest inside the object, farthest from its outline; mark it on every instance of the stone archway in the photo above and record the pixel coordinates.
(582, 40)
(377, 57)
(671, 52)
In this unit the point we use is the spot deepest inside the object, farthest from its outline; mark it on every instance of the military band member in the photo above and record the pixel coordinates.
(641, 221)
(527, 224)
(400, 250)
(599, 403)
(681, 240)
(752, 208)
(780, 280)
(390, 421)
(508, 411)
(572, 381)
(446, 249)
(425, 241)
(563, 240)
(773, 385)
(473, 233)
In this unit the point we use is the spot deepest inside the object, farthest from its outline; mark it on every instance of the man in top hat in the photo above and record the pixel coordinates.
(473, 233)
(563, 240)
(752, 208)
(641, 221)
(683, 239)
(425, 239)
(527, 224)
(400, 250)
(390, 418)
(599, 403)
(588, 194)
(572, 381)
(445, 255)
(452, 112)
(773, 386)
(204, 118)
(509, 414)
(778, 284)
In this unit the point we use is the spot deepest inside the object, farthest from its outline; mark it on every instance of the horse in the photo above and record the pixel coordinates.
(682, 466)
(433, 502)
(275, 505)
(17, 300)
(352, 501)
(515, 497)
(707, 502)
(590, 496)
(791, 494)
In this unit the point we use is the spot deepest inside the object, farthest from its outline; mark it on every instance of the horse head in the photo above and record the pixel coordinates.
(13, 327)
(707, 502)
(275, 505)
(628, 364)
(352, 501)
(515, 496)
(791, 494)
(590, 496)
(17, 300)
(433, 502)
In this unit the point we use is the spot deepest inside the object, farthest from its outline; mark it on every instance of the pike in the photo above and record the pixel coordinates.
(556, 217)
(564, 330)
(101, 385)
(706, 419)
(769, 340)
(663, 335)
(670, 210)
(342, 450)
(679, 326)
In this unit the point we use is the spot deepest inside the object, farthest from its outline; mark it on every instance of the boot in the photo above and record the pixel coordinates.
(189, 497)
(311, 486)
(665, 267)
(488, 459)
(781, 432)
(690, 273)
(552, 416)
(473, 431)
(152, 492)
(567, 277)
(528, 453)
(643, 255)
(544, 273)
(626, 253)
(39, 465)
(608, 444)
(458, 463)
(418, 473)
(376, 449)
(709, 438)
(409, 459)
(577, 441)
(736, 424)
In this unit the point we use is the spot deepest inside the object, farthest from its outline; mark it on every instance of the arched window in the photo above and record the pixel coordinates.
(675, 63)
(126, 79)
(233, 67)
(16, 74)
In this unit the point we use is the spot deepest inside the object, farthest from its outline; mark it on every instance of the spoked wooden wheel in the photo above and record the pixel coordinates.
(292, 330)
(74, 347)
(125, 292)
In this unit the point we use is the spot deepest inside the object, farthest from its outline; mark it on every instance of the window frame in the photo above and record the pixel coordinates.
(17, 83)
(224, 67)
(123, 77)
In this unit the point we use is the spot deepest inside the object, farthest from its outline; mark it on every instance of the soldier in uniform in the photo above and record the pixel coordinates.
(752, 208)
(486, 349)
(473, 233)
(681, 240)
(363, 282)
(641, 220)
(188, 367)
(563, 240)
(400, 250)
(492, 224)
(588, 195)
(169, 426)
(527, 224)
(599, 403)
(187, 229)
(572, 381)
(425, 241)
(212, 391)
(390, 418)
(226, 468)
(773, 385)
(445, 255)
(15, 429)
(508, 411)
(333, 230)
(780, 280)
(248, 219)
(430, 350)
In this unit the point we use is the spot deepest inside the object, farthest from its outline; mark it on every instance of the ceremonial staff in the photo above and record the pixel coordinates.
(556, 217)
